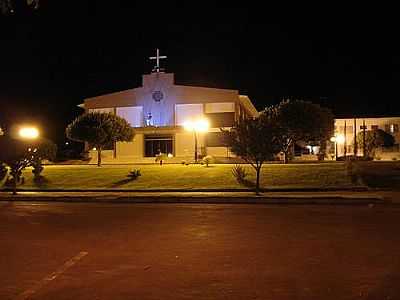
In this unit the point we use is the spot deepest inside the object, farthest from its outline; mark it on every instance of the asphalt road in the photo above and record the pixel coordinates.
(166, 251)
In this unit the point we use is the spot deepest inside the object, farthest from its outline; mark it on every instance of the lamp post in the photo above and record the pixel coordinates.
(200, 125)
(25, 133)
(333, 140)
(338, 139)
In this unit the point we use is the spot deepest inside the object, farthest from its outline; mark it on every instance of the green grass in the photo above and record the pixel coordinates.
(327, 175)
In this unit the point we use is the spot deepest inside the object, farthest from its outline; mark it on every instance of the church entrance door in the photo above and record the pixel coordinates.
(155, 144)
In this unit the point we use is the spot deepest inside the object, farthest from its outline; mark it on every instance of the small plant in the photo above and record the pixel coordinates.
(208, 160)
(37, 167)
(240, 173)
(134, 174)
(161, 157)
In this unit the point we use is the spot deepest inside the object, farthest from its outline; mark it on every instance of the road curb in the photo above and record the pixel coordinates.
(178, 190)
(332, 200)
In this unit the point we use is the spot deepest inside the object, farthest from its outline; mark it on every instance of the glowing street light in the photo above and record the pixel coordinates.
(196, 126)
(340, 138)
(29, 133)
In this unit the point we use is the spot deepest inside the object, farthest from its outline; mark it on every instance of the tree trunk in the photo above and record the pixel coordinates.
(285, 157)
(99, 157)
(258, 180)
(14, 186)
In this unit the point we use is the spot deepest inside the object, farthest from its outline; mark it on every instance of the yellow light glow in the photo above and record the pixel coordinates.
(333, 139)
(170, 155)
(28, 133)
(340, 139)
(200, 125)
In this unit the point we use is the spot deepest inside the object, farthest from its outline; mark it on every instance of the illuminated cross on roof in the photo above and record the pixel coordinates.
(157, 58)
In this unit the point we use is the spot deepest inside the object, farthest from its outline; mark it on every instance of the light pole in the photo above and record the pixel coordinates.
(200, 125)
(25, 133)
(338, 139)
(333, 140)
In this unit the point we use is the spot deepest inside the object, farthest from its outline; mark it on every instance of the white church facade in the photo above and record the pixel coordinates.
(158, 111)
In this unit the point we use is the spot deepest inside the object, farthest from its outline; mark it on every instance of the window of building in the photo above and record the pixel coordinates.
(215, 139)
(187, 112)
(362, 127)
(133, 115)
(223, 119)
(374, 127)
(155, 144)
(394, 128)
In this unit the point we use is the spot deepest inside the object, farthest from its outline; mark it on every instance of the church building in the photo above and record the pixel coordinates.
(160, 112)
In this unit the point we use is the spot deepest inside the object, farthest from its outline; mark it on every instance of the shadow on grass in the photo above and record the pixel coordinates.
(41, 181)
(120, 183)
(378, 181)
(247, 183)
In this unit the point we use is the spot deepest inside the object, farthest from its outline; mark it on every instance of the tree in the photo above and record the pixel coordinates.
(12, 6)
(15, 154)
(374, 139)
(301, 121)
(255, 141)
(98, 130)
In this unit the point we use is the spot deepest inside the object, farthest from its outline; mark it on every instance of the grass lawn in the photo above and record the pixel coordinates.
(380, 174)
(322, 175)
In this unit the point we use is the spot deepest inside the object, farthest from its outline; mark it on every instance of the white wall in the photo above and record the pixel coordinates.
(133, 115)
(102, 110)
(219, 107)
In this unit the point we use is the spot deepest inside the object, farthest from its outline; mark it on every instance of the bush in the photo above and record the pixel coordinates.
(240, 173)
(3, 171)
(134, 174)
(354, 158)
(208, 160)
(37, 167)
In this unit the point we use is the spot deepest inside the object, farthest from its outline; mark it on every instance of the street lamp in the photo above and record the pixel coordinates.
(200, 125)
(16, 156)
(28, 133)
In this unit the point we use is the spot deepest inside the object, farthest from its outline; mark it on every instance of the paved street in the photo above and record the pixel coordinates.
(168, 251)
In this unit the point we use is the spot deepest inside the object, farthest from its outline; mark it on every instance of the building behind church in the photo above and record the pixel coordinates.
(158, 110)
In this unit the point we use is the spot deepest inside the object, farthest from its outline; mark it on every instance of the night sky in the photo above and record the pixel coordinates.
(51, 59)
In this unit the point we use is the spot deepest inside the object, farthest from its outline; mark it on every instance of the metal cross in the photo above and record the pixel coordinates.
(157, 58)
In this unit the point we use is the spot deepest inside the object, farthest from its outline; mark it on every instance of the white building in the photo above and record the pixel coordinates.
(346, 129)
(158, 110)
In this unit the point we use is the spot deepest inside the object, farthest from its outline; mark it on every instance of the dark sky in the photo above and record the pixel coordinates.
(51, 59)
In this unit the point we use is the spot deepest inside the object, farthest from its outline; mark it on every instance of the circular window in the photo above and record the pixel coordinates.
(158, 96)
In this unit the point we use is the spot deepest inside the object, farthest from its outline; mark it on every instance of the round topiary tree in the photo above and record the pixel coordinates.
(99, 129)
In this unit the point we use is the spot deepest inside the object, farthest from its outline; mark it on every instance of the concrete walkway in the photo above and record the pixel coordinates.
(336, 197)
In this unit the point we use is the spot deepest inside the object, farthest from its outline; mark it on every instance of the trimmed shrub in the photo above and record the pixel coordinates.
(134, 174)
(208, 160)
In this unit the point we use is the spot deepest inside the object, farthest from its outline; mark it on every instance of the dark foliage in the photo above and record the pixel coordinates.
(374, 139)
(301, 121)
(99, 130)
(255, 141)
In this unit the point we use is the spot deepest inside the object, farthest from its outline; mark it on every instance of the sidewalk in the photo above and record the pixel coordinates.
(337, 197)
